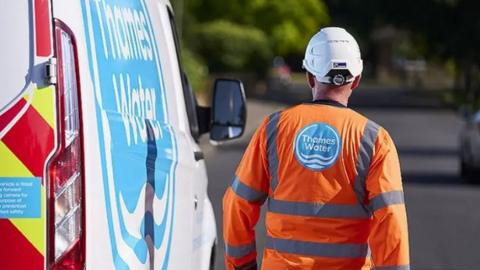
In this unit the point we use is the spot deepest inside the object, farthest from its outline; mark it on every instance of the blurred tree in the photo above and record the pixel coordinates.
(458, 35)
(444, 29)
(243, 36)
(196, 69)
(288, 24)
(229, 47)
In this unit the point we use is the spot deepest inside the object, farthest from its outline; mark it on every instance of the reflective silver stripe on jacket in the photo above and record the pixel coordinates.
(386, 199)
(328, 210)
(239, 251)
(400, 267)
(318, 249)
(317, 209)
(272, 148)
(247, 192)
(364, 158)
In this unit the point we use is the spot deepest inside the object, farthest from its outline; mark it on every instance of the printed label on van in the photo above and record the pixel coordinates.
(20, 197)
(137, 145)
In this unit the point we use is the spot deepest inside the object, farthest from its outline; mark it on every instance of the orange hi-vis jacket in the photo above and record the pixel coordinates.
(331, 181)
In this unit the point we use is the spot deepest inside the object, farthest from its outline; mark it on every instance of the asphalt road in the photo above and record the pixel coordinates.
(443, 214)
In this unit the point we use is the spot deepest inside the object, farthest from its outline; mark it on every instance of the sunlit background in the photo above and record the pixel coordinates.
(423, 44)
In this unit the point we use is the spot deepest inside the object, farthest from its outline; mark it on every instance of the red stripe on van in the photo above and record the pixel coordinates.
(17, 252)
(8, 116)
(31, 139)
(42, 28)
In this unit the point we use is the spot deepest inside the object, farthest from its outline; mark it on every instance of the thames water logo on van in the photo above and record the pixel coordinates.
(317, 146)
(137, 145)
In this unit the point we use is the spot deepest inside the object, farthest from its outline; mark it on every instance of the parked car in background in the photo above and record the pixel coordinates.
(470, 148)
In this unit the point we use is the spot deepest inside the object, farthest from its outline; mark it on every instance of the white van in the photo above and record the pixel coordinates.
(99, 162)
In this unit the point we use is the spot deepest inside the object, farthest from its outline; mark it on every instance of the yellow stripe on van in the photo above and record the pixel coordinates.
(10, 165)
(44, 103)
(34, 228)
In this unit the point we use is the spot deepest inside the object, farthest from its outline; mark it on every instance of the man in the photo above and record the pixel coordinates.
(330, 176)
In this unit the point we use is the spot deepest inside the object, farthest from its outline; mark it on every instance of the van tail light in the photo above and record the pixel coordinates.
(66, 194)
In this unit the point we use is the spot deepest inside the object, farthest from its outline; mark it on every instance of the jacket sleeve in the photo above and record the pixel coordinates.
(389, 232)
(242, 202)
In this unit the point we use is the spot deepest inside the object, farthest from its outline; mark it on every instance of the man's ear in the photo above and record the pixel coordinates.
(356, 82)
(311, 80)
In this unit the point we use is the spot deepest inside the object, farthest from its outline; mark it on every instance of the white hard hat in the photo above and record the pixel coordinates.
(333, 56)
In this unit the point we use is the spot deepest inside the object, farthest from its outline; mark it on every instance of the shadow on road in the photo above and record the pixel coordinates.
(433, 178)
(426, 152)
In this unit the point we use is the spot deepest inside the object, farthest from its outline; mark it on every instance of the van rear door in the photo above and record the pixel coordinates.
(27, 131)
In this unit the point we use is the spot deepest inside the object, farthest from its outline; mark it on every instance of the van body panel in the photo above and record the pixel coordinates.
(146, 200)
(203, 224)
(138, 147)
(27, 133)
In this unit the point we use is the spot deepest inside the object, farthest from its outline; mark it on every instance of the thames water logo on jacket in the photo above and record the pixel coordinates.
(317, 146)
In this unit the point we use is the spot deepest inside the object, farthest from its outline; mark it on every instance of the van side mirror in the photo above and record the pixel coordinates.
(229, 111)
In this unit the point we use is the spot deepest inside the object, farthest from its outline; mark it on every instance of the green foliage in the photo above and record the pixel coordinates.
(288, 24)
(445, 30)
(196, 70)
(243, 36)
(411, 47)
(442, 28)
(231, 47)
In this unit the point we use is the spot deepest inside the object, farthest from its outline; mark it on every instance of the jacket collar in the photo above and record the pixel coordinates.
(328, 102)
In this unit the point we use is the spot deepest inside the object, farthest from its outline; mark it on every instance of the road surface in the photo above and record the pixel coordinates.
(443, 214)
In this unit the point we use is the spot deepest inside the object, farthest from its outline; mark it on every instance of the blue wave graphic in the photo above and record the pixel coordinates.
(311, 152)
